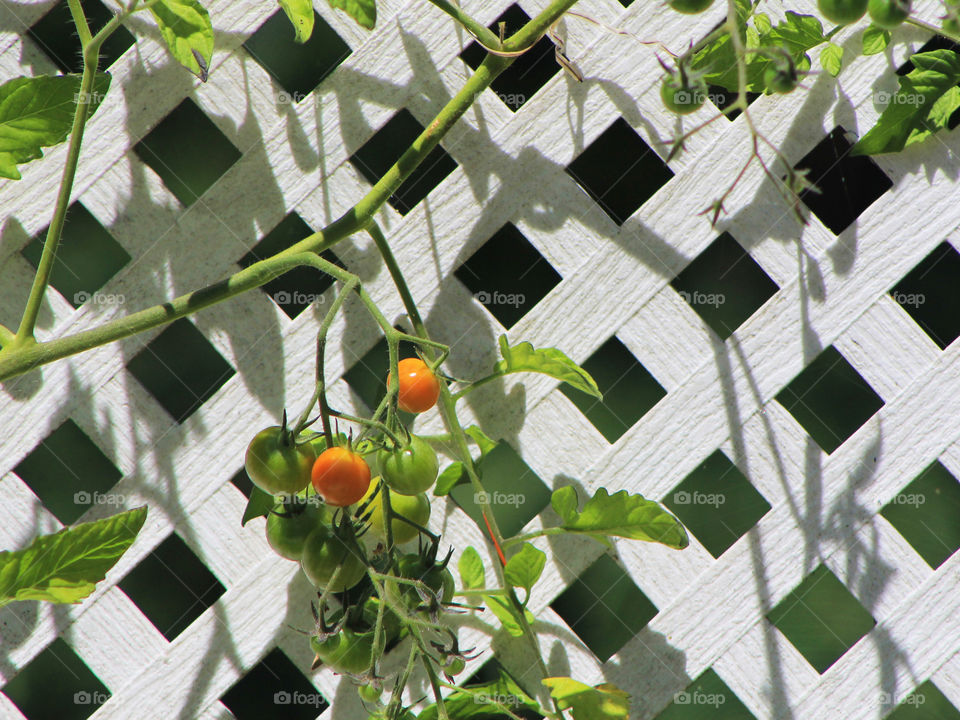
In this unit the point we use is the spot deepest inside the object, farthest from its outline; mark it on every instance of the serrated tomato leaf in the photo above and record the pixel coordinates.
(525, 567)
(831, 58)
(448, 479)
(523, 357)
(603, 702)
(934, 74)
(622, 514)
(471, 568)
(875, 40)
(37, 112)
(66, 566)
(300, 14)
(363, 11)
(484, 701)
(186, 29)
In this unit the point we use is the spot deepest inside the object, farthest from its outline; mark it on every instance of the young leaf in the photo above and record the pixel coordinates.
(258, 505)
(66, 566)
(481, 439)
(549, 361)
(621, 514)
(875, 40)
(186, 29)
(507, 614)
(37, 112)
(363, 11)
(300, 13)
(483, 701)
(603, 702)
(471, 568)
(934, 74)
(446, 481)
(831, 58)
(524, 568)
(797, 33)
(939, 117)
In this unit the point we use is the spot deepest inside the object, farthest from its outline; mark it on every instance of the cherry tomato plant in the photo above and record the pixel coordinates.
(354, 510)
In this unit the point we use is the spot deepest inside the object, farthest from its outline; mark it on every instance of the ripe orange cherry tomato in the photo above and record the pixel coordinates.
(340, 476)
(419, 387)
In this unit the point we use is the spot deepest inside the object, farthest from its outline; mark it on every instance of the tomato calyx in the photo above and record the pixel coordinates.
(781, 75)
(683, 90)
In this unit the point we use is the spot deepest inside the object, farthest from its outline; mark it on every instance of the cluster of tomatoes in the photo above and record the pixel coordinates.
(684, 91)
(328, 505)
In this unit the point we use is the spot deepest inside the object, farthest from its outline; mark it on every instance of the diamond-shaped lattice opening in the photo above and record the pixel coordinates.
(628, 389)
(604, 607)
(56, 684)
(68, 472)
(242, 482)
(706, 698)
(187, 151)
(367, 376)
(927, 513)
(296, 290)
(57, 37)
(724, 285)
(529, 72)
(181, 369)
(274, 687)
(848, 184)
(515, 492)
(508, 275)
(930, 293)
(926, 702)
(821, 618)
(386, 146)
(723, 98)
(717, 503)
(830, 399)
(619, 171)
(298, 68)
(171, 586)
(87, 257)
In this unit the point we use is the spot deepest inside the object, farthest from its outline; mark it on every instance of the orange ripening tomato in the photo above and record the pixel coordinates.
(340, 476)
(419, 387)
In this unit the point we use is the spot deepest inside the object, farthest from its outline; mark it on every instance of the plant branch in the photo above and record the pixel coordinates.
(481, 32)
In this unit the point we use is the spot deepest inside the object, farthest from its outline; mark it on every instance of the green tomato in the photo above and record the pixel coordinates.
(690, 7)
(842, 12)
(438, 579)
(369, 692)
(888, 14)
(682, 98)
(276, 465)
(455, 666)
(324, 552)
(780, 76)
(289, 526)
(414, 507)
(346, 652)
(391, 623)
(410, 470)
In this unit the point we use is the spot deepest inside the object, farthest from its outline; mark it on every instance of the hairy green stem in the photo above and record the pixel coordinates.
(479, 31)
(916, 22)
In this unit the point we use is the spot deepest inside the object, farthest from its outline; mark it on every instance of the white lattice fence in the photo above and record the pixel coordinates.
(709, 602)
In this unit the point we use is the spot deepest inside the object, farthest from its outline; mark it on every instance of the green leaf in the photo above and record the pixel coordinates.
(762, 23)
(471, 568)
(507, 614)
(300, 13)
(363, 11)
(66, 566)
(621, 515)
(186, 28)
(831, 58)
(523, 357)
(875, 40)
(258, 505)
(934, 74)
(603, 702)
(37, 112)
(476, 701)
(525, 568)
(939, 117)
(449, 478)
(481, 439)
(796, 34)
